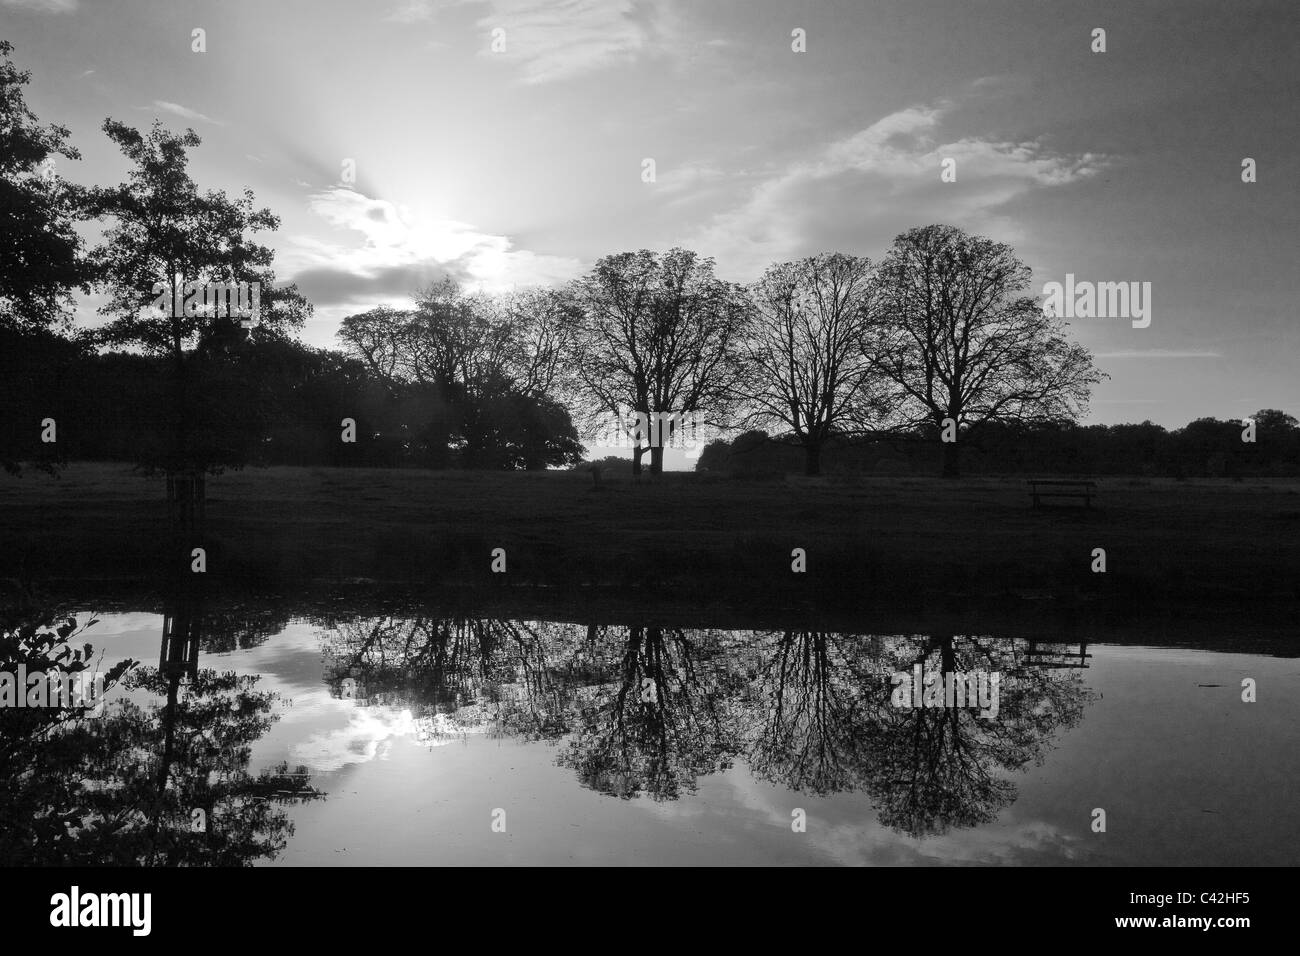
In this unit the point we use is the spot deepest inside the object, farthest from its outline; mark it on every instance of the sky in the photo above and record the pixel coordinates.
(524, 164)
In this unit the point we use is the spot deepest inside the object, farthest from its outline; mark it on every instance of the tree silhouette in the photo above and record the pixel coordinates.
(40, 266)
(40, 251)
(164, 230)
(961, 343)
(659, 337)
(806, 369)
(487, 364)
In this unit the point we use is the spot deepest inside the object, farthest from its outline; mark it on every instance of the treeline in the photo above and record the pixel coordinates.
(938, 337)
(171, 378)
(1205, 448)
(279, 403)
(938, 341)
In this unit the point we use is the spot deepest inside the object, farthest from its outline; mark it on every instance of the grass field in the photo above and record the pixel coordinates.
(686, 537)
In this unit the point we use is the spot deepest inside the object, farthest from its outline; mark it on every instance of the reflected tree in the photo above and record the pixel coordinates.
(513, 678)
(649, 710)
(810, 718)
(665, 721)
(934, 768)
(161, 778)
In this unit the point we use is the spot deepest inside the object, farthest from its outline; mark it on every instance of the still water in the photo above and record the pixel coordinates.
(417, 740)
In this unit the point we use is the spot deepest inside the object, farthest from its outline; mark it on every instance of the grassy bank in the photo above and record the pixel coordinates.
(872, 541)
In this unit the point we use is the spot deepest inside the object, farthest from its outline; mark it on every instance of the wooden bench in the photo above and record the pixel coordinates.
(1056, 654)
(1056, 488)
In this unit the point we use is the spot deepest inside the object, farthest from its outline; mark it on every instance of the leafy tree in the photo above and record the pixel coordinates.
(1275, 421)
(484, 367)
(119, 788)
(40, 252)
(41, 264)
(166, 234)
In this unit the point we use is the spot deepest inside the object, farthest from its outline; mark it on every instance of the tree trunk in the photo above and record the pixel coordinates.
(812, 460)
(656, 459)
(180, 400)
(169, 741)
(637, 452)
(950, 466)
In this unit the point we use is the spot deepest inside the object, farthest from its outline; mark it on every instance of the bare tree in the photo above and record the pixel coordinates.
(544, 325)
(454, 340)
(659, 336)
(806, 370)
(378, 338)
(470, 341)
(963, 346)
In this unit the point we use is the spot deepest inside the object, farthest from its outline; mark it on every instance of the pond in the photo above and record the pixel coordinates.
(413, 739)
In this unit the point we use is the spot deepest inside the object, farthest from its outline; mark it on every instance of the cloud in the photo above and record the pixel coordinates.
(184, 112)
(553, 41)
(372, 732)
(687, 176)
(858, 192)
(866, 841)
(367, 736)
(44, 6)
(394, 250)
(412, 11)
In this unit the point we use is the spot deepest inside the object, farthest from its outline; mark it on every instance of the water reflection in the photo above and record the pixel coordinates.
(160, 776)
(651, 710)
(637, 743)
